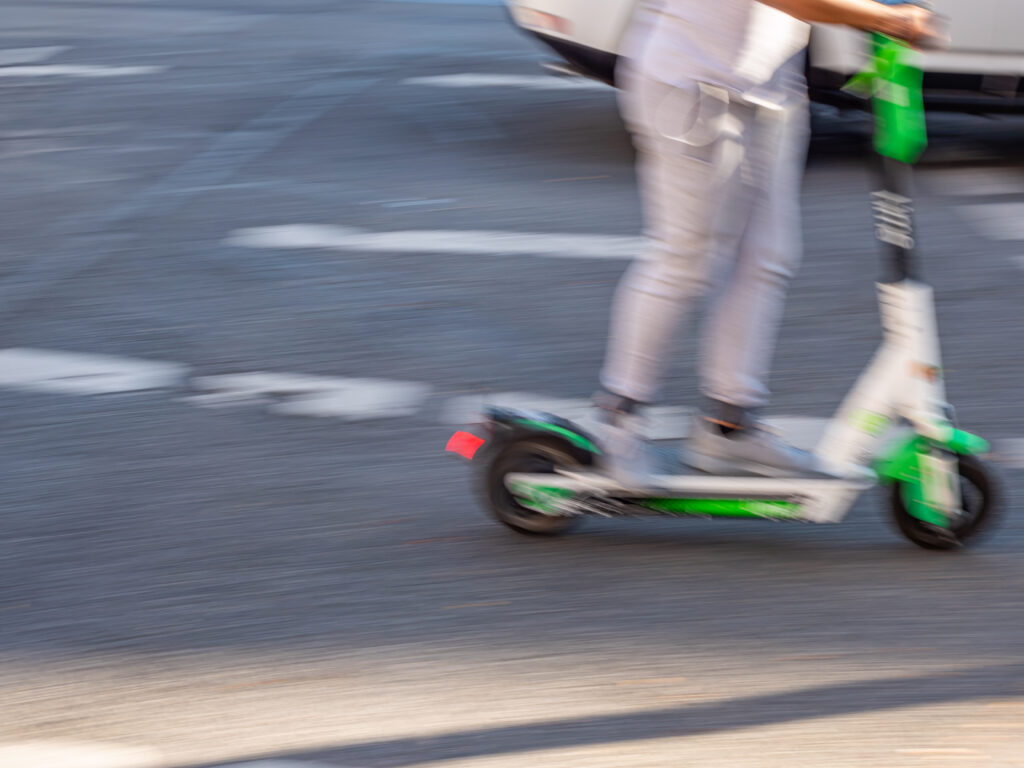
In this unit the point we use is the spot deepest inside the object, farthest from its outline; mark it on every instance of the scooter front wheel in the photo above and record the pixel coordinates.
(980, 510)
(530, 455)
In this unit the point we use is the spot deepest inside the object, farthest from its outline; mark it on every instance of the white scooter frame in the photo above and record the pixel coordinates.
(894, 426)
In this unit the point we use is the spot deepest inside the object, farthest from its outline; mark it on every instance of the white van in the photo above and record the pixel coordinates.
(980, 73)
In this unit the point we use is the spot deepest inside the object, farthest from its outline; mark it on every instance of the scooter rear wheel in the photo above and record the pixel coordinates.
(981, 507)
(532, 455)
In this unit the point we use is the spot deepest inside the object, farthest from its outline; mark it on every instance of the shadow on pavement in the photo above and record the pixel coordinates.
(690, 720)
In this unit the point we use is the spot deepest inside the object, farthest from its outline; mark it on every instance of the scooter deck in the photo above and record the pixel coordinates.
(710, 486)
(583, 493)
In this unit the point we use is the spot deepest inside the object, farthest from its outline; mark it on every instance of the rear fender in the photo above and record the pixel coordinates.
(506, 425)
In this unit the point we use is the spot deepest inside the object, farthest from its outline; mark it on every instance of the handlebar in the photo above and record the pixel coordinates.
(893, 82)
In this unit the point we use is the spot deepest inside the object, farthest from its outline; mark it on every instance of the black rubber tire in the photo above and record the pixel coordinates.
(527, 455)
(982, 506)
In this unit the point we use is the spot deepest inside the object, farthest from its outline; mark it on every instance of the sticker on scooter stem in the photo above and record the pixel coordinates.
(870, 422)
(926, 371)
(893, 222)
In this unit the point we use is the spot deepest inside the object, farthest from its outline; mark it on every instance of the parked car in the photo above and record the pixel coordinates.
(981, 72)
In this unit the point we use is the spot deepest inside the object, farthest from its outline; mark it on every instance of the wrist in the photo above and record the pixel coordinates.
(894, 23)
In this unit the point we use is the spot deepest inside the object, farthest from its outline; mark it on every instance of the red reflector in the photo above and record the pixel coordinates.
(464, 444)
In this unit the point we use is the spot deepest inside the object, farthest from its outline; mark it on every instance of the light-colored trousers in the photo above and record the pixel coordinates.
(720, 182)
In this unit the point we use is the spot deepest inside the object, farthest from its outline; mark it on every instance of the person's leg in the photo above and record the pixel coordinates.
(742, 322)
(693, 207)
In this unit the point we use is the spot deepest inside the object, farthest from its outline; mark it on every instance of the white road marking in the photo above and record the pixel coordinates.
(43, 370)
(303, 395)
(467, 409)
(997, 221)
(413, 203)
(531, 82)
(29, 55)
(448, 2)
(67, 754)
(28, 147)
(78, 70)
(665, 422)
(974, 182)
(562, 246)
(350, 399)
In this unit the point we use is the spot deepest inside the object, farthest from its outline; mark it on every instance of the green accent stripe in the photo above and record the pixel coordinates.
(576, 439)
(781, 510)
(546, 498)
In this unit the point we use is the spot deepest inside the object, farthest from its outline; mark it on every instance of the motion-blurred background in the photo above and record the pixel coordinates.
(258, 256)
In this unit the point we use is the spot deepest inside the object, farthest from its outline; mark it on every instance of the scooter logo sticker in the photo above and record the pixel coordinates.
(870, 422)
(930, 373)
(893, 222)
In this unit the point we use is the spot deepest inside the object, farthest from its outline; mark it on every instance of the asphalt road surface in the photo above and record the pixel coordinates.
(255, 254)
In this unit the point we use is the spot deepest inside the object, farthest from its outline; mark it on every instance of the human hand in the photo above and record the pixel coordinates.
(919, 27)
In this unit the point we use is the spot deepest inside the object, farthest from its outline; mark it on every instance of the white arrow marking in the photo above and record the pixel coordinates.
(531, 82)
(663, 422)
(77, 70)
(29, 55)
(302, 395)
(997, 221)
(71, 373)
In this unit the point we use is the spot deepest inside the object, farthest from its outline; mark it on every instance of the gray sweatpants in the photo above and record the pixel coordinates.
(719, 182)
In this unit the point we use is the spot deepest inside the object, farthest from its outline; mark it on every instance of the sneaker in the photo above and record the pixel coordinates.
(626, 455)
(752, 450)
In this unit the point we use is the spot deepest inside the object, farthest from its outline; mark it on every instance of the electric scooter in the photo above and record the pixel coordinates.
(540, 473)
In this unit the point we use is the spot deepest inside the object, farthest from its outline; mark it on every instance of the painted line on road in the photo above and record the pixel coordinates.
(78, 70)
(996, 221)
(974, 182)
(294, 394)
(34, 55)
(664, 422)
(346, 398)
(562, 246)
(531, 82)
(73, 373)
(448, 2)
(411, 203)
(69, 754)
(671, 422)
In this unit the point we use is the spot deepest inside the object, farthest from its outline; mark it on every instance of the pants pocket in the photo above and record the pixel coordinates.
(692, 117)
